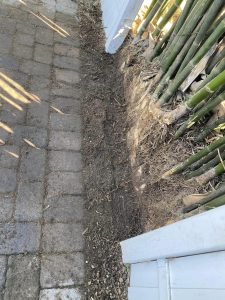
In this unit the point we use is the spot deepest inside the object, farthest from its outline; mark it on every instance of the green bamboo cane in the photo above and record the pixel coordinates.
(195, 16)
(175, 65)
(215, 60)
(210, 174)
(215, 85)
(166, 18)
(183, 16)
(198, 164)
(215, 203)
(215, 72)
(173, 87)
(148, 20)
(212, 163)
(159, 12)
(205, 101)
(150, 8)
(213, 195)
(192, 159)
(209, 17)
(199, 114)
(210, 128)
(159, 47)
(188, 6)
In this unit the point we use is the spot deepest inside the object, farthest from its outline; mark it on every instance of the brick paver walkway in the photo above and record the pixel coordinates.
(41, 204)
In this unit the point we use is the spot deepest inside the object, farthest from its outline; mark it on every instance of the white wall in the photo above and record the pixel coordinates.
(118, 16)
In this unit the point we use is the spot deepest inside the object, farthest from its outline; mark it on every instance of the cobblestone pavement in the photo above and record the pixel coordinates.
(41, 204)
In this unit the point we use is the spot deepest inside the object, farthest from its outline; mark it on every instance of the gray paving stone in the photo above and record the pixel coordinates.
(61, 183)
(36, 136)
(65, 90)
(71, 77)
(9, 62)
(11, 115)
(67, 40)
(19, 237)
(3, 265)
(66, 7)
(37, 114)
(22, 278)
(54, 294)
(62, 270)
(4, 136)
(24, 39)
(7, 26)
(35, 21)
(66, 105)
(15, 77)
(40, 86)
(9, 156)
(66, 50)
(6, 208)
(64, 140)
(65, 122)
(66, 19)
(29, 201)
(44, 36)
(64, 209)
(7, 45)
(17, 13)
(43, 54)
(60, 237)
(22, 51)
(32, 167)
(26, 27)
(65, 62)
(65, 161)
(35, 68)
(7, 180)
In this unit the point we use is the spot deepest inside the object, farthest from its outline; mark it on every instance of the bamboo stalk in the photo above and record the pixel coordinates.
(166, 18)
(184, 33)
(215, 203)
(213, 195)
(211, 173)
(148, 20)
(210, 128)
(202, 33)
(212, 163)
(159, 12)
(174, 65)
(217, 58)
(189, 5)
(165, 79)
(207, 158)
(199, 114)
(203, 94)
(172, 88)
(215, 72)
(158, 48)
(150, 8)
(183, 16)
(192, 159)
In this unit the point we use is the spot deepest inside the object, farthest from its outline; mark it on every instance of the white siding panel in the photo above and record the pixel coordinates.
(118, 16)
(144, 294)
(192, 294)
(195, 235)
(144, 275)
(199, 271)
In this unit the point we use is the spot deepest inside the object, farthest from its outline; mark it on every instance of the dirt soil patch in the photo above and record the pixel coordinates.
(111, 202)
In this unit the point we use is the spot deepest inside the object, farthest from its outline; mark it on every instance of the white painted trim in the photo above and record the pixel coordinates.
(199, 234)
(117, 28)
